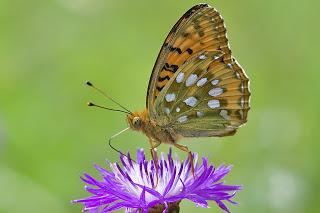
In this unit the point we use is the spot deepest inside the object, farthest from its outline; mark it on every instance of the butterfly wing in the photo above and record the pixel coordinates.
(206, 92)
(200, 28)
(207, 97)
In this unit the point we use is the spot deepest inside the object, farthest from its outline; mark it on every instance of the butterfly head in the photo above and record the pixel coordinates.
(136, 120)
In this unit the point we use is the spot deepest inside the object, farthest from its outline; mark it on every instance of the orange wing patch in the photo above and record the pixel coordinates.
(204, 31)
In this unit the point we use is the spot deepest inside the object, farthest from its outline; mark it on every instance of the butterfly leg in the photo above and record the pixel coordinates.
(185, 149)
(154, 144)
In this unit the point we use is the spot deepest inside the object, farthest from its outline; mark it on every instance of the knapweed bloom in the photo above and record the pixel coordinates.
(138, 186)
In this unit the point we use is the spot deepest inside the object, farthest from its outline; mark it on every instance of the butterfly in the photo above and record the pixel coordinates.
(197, 88)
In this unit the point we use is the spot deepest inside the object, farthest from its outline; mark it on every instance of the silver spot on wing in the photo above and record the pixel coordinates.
(191, 101)
(201, 82)
(180, 77)
(191, 79)
(170, 97)
(214, 104)
(182, 119)
(215, 92)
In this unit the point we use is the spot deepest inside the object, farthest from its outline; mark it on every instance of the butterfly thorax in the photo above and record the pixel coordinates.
(140, 121)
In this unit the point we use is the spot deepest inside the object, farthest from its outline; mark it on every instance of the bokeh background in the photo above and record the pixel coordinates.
(48, 137)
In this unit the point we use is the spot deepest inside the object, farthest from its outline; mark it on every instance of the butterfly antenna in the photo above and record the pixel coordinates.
(115, 149)
(102, 107)
(107, 96)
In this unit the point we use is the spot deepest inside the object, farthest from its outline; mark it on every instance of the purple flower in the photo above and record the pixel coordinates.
(135, 186)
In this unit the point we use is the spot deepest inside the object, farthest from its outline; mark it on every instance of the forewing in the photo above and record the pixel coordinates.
(200, 29)
(197, 88)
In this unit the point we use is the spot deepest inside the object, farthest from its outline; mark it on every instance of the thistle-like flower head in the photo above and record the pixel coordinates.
(134, 185)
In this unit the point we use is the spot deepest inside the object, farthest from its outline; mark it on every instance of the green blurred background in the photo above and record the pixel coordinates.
(48, 137)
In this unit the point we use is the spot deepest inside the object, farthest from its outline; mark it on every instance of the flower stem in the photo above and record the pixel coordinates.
(172, 208)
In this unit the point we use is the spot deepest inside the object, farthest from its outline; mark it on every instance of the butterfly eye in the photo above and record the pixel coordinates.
(136, 122)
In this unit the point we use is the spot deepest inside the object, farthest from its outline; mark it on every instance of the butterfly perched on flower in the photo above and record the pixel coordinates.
(197, 88)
